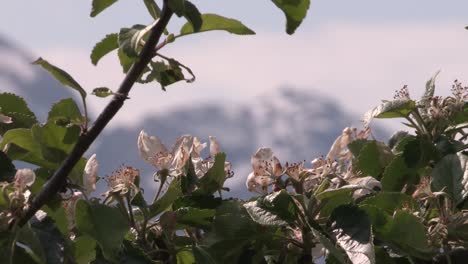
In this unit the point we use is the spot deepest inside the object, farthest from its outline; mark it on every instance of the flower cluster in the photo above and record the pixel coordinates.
(172, 163)
(336, 167)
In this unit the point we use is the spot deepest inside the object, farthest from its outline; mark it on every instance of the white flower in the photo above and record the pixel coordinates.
(266, 167)
(69, 206)
(155, 153)
(197, 148)
(214, 146)
(338, 150)
(294, 170)
(202, 166)
(258, 184)
(265, 164)
(181, 153)
(90, 174)
(24, 178)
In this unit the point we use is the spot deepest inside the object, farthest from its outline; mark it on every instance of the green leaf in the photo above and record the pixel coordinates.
(201, 255)
(16, 108)
(177, 6)
(351, 228)
(153, 8)
(194, 217)
(396, 138)
(55, 141)
(391, 201)
(60, 75)
(188, 183)
(21, 255)
(216, 22)
(7, 240)
(105, 224)
(100, 5)
(189, 11)
(396, 175)
(166, 74)
(7, 169)
(102, 92)
(125, 61)
(232, 232)
(27, 237)
(66, 109)
(193, 16)
(355, 146)
(418, 152)
(294, 10)
(185, 256)
(448, 174)
(130, 38)
(51, 240)
(214, 178)
(22, 146)
(109, 43)
(390, 109)
(56, 211)
(330, 199)
(172, 193)
(394, 230)
(414, 242)
(84, 249)
(277, 209)
(373, 158)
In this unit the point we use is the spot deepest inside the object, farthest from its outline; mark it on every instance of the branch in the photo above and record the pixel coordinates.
(86, 139)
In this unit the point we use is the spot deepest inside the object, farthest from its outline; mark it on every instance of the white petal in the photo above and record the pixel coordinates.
(5, 119)
(277, 168)
(250, 183)
(181, 151)
(24, 177)
(197, 147)
(260, 161)
(150, 147)
(90, 174)
(214, 146)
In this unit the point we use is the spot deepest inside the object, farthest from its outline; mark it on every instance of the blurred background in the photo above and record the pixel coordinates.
(292, 93)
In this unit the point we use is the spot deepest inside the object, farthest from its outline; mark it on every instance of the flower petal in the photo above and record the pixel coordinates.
(197, 148)
(181, 152)
(214, 146)
(90, 174)
(24, 177)
(261, 160)
(153, 151)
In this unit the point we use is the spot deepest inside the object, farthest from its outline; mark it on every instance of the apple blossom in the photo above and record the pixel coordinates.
(24, 178)
(90, 174)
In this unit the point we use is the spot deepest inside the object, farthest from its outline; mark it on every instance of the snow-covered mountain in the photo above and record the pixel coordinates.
(297, 124)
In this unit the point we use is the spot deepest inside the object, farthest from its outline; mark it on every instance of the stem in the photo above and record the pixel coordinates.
(130, 212)
(420, 121)
(415, 125)
(86, 139)
(462, 148)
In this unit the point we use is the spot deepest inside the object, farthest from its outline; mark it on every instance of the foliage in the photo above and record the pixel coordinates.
(364, 202)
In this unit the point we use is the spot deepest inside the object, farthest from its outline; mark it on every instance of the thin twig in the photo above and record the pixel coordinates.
(86, 139)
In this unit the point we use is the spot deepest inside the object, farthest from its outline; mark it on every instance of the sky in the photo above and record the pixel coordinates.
(355, 51)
